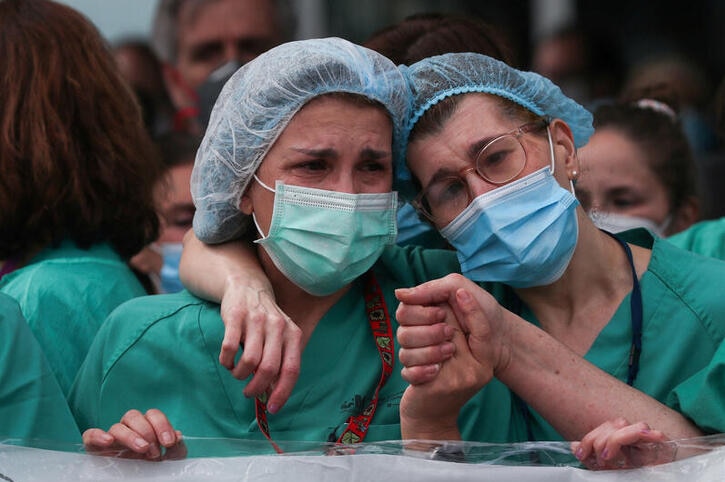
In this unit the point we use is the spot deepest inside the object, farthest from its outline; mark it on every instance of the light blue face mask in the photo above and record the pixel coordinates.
(410, 227)
(522, 234)
(169, 275)
(323, 240)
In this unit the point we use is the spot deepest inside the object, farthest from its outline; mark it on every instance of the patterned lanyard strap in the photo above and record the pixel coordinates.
(382, 330)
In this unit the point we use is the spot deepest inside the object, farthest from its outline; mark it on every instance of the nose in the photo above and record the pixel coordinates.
(346, 183)
(476, 184)
(232, 52)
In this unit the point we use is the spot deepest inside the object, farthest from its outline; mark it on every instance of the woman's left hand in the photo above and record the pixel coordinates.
(137, 435)
(617, 444)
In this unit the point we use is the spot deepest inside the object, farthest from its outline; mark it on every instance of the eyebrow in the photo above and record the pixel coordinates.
(476, 147)
(367, 153)
(442, 173)
(471, 153)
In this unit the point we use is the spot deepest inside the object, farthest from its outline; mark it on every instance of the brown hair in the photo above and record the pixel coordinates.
(426, 34)
(648, 117)
(75, 159)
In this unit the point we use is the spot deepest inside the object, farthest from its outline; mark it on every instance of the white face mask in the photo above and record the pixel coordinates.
(617, 223)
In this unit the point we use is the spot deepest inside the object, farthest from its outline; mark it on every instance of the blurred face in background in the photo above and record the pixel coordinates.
(176, 207)
(217, 32)
(616, 178)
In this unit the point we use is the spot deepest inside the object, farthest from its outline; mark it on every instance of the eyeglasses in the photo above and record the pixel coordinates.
(498, 162)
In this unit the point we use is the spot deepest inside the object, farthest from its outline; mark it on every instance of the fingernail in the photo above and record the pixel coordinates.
(448, 331)
(448, 349)
(434, 368)
(605, 454)
(140, 443)
(107, 437)
(272, 408)
(645, 431)
(166, 438)
(579, 452)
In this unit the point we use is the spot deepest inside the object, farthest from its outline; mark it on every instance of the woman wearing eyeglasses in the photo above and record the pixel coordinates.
(618, 328)
(608, 340)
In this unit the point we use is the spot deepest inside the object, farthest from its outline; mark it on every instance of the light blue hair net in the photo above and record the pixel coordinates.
(258, 102)
(435, 78)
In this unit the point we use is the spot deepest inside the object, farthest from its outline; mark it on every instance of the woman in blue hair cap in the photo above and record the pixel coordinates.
(298, 157)
(610, 329)
(590, 337)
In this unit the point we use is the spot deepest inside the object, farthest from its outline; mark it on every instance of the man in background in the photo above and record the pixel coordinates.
(193, 38)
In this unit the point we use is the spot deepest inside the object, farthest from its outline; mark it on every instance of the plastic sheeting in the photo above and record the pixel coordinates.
(386, 461)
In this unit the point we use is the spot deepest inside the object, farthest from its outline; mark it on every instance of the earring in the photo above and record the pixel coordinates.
(574, 174)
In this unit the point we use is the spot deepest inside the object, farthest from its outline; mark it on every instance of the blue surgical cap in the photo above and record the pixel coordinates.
(435, 78)
(258, 102)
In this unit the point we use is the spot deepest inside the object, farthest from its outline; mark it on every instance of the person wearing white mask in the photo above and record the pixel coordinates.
(584, 329)
(637, 170)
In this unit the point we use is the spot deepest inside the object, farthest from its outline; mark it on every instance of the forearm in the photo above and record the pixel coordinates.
(573, 395)
(208, 270)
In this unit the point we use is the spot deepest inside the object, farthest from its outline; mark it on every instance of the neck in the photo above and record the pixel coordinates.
(304, 309)
(576, 307)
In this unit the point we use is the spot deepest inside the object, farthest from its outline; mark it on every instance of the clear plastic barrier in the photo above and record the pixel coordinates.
(536, 461)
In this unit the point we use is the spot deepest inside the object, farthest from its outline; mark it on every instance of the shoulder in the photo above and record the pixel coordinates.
(68, 268)
(156, 323)
(706, 238)
(694, 280)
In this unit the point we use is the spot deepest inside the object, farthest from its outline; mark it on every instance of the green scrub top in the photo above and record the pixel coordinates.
(32, 406)
(706, 238)
(162, 352)
(65, 293)
(682, 363)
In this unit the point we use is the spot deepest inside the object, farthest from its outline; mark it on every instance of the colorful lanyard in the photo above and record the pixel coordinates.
(382, 329)
(635, 306)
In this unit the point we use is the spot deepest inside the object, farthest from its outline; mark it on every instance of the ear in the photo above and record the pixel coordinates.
(685, 216)
(563, 140)
(246, 205)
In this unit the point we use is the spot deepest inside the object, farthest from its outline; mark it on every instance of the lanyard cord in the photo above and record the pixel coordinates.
(635, 306)
(382, 330)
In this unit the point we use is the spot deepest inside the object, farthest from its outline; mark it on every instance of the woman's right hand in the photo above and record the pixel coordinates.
(147, 436)
(272, 341)
(445, 363)
(230, 274)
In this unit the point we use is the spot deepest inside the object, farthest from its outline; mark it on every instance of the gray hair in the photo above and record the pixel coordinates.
(165, 28)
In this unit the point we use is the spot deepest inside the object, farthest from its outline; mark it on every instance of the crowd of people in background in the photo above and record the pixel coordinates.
(503, 230)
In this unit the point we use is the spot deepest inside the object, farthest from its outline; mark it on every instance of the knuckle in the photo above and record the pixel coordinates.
(228, 345)
(130, 415)
(153, 412)
(290, 371)
(266, 370)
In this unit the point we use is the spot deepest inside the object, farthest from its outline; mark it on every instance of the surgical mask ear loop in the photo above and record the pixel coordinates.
(263, 184)
(254, 218)
(553, 161)
(551, 151)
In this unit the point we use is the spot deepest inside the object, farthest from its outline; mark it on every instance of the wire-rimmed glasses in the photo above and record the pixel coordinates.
(498, 162)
